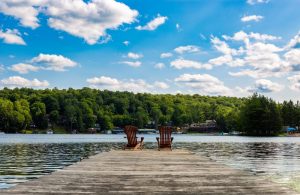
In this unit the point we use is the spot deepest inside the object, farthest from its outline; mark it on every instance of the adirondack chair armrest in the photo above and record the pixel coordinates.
(125, 137)
(172, 139)
(142, 139)
(157, 139)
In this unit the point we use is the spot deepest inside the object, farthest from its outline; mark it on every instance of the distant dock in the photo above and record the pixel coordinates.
(148, 172)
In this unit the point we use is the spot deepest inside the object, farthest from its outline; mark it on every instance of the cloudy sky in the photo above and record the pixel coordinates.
(224, 47)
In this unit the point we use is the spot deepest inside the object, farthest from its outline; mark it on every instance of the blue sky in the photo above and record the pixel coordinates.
(222, 47)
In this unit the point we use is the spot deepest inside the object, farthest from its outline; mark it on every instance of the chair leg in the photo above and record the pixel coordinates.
(137, 146)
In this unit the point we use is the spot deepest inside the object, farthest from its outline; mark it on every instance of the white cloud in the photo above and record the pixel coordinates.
(187, 49)
(253, 2)
(88, 20)
(24, 10)
(134, 56)
(103, 80)
(166, 55)
(292, 57)
(295, 82)
(153, 24)
(182, 63)
(133, 85)
(132, 64)
(222, 46)
(243, 36)
(263, 37)
(54, 62)
(264, 59)
(24, 68)
(17, 81)
(203, 83)
(265, 86)
(159, 65)
(85, 19)
(126, 43)
(225, 59)
(255, 18)
(294, 42)
(161, 85)
(258, 73)
(12, 37)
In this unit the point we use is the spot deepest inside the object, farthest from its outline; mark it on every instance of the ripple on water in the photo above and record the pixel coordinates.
(279, 161)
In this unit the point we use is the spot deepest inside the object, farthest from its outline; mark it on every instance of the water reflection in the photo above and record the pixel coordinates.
(21, 162)
(259, 158)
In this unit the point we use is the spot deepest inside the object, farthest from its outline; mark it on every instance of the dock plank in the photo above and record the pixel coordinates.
(148, 172)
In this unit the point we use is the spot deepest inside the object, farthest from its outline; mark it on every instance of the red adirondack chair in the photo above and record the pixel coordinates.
(165, 140)
(133, 143)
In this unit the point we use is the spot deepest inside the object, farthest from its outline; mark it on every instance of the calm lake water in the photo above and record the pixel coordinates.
(24, 157)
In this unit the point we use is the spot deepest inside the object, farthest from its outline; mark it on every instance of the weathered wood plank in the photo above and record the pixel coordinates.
(148, 172)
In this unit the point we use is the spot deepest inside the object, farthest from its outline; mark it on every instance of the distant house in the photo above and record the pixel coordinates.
(209, 126)
(92, 130)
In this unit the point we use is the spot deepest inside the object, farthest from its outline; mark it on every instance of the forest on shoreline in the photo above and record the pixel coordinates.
(80, 109)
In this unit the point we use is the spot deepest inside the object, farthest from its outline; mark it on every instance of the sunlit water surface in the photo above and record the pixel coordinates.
(24, 157)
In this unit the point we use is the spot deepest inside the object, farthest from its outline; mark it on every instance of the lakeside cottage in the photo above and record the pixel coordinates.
(209, 126)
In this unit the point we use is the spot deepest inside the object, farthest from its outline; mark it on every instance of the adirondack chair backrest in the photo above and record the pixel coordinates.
(165, 136)
(130, 132)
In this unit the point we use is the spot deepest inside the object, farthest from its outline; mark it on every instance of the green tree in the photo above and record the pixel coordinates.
(38, 112)
(289, 113)
(6, 112)
(260, 116)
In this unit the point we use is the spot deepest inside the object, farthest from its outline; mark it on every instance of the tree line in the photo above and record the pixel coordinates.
(80, 109)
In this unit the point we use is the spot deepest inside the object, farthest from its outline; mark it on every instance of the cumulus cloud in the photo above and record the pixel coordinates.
(12, 37)
(187, 49)
(225, 59)
(166, 55)
(253, 2)
(153, 24)
(159, 65)
(295, 82)
(222, 46)
(134, 56)
(292, 57)
(161, 85)
(263, 59)
(265, 86)
(88, 20)
(24, 68)
(294, 42)
(250, 18)
(132, 64)
(204, 84)
(17, 81)
(243, 36)
(133, 85)
(182, 63)
(26, 11)
(54, 62)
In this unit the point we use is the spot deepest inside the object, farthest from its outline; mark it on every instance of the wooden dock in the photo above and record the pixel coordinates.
(148, 172)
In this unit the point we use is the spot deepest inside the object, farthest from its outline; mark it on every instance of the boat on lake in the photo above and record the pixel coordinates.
(147, 131)
(117, 131)
(49, 131)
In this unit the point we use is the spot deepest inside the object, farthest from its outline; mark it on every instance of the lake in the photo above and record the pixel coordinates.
(25, 157)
